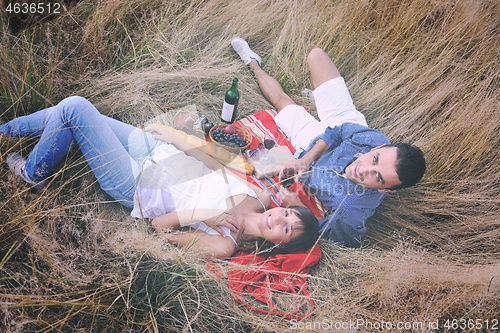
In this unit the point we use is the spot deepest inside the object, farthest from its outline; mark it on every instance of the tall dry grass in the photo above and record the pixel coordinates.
(421, 71)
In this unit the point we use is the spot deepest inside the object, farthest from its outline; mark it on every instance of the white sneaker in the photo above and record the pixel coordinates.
(246, 54)
(16, 165)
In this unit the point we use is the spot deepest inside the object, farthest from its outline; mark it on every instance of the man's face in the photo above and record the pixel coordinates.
(375, 169)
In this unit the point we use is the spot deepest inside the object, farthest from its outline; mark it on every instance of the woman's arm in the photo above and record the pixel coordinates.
(189, 150)
(214, 218)
(208, 246)
(209, 161)
(289, 198)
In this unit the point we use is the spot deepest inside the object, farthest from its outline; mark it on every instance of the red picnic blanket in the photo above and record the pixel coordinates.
(258, 276)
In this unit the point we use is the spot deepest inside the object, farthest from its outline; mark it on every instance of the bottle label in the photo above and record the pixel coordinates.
(227, 112)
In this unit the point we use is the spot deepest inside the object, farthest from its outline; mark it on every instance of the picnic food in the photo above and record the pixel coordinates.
(225, 157)
(231, 138)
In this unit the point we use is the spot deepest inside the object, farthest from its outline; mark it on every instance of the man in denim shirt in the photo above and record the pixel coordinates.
(346, 164)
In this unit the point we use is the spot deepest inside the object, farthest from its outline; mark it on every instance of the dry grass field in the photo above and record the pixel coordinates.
(422, 71)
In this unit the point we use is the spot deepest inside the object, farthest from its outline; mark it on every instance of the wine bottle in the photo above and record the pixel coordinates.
(230, 103)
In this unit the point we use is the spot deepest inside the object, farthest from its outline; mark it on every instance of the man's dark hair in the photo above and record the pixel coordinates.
(410, 165)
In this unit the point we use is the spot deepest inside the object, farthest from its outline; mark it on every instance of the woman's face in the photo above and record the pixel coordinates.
(279, 225)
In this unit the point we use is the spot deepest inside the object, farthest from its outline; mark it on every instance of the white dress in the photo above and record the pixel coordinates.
(171, 181)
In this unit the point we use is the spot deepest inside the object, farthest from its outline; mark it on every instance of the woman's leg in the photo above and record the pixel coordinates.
(138, 143)
(76, 120)
(55, 141)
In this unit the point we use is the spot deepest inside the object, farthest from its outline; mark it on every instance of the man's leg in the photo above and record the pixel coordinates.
(300, 127)
(271, 88)
(333, 101)
(321, 67)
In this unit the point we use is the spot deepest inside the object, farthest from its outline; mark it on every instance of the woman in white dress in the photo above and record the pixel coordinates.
(191, 205)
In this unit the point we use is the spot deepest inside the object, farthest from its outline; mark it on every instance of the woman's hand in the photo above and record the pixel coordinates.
(288, 198)
(223, 220)
(162, 134)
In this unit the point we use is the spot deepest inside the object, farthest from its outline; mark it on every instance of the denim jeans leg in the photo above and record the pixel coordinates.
(77, 119)
(139, 144)
(55, 140)
(31, 125)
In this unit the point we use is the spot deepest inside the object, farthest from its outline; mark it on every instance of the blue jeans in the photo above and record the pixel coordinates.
(114, 150)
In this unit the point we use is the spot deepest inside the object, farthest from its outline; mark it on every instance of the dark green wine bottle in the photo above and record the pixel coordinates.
(230, 103)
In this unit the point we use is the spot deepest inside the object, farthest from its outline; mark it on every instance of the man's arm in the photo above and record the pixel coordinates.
(347, 223)
(302, 164)
(333, 137)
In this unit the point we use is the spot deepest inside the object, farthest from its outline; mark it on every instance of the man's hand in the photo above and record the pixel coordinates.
(223, 220)
(288, 198)
(300, 166)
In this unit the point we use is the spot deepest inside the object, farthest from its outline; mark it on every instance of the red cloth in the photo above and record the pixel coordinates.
(258, 276)
(261, 123)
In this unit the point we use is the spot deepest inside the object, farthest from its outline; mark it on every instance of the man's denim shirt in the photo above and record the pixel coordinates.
(350, 204)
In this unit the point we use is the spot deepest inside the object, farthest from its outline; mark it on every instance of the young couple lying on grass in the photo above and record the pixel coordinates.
(193, 201)
(347, 165)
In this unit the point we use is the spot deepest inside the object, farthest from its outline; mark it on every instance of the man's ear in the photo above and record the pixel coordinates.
(378, 147)
(386, 191)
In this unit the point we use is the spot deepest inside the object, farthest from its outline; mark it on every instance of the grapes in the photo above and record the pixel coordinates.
(207, 127)
(230, 140)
